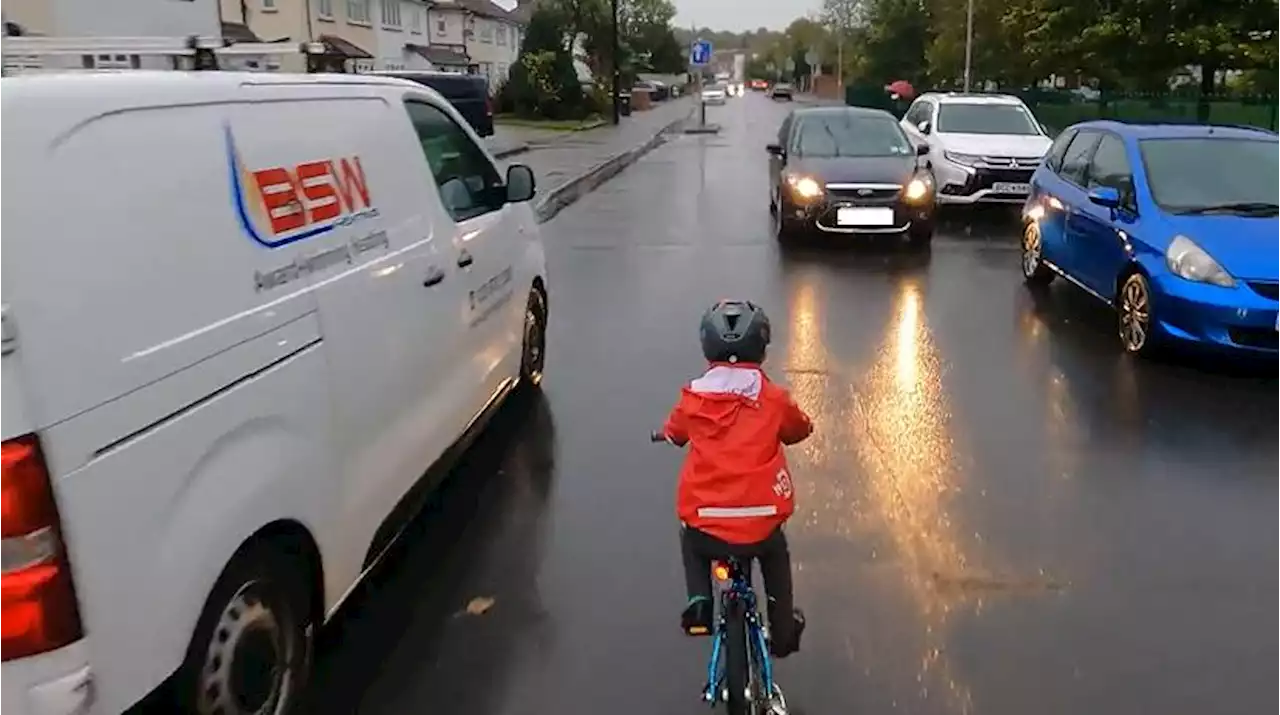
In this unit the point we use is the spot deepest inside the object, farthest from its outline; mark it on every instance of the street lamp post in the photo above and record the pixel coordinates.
(968, 46)
(617, 73)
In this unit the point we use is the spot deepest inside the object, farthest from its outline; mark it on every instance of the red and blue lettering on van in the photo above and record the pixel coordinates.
(279, 205)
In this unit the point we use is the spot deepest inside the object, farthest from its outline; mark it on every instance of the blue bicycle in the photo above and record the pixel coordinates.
(740, 671)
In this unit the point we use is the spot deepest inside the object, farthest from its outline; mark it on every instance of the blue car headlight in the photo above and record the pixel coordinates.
(1187, 260)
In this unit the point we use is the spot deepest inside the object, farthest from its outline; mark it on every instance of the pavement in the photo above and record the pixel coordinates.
(998, 511)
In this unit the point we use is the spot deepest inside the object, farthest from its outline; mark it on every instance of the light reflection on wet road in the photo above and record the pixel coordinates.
(998, 512)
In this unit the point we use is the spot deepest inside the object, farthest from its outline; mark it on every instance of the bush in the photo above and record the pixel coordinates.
(544, 83)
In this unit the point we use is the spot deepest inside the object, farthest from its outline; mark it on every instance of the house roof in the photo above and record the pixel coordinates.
(334, 45)
(486, 8)
(238, 32)
(440, 55)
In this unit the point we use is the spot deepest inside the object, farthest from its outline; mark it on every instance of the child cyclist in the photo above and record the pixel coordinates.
(735, 488)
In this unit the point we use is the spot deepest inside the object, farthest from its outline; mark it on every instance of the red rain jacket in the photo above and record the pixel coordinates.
(735, 483)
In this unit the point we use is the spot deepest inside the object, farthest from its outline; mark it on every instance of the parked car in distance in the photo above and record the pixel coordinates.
(282, 299)
(848, 173)
(469, 94)
(782, 90)
(983, 148)
(714, 94)
(759, 85)
(1173, 226)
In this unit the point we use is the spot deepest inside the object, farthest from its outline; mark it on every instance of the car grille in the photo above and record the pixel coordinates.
(1266, 289)
(865, 196)
(1262, 338)
(986, 177)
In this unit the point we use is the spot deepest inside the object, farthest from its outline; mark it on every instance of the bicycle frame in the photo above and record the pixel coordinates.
(736, 578)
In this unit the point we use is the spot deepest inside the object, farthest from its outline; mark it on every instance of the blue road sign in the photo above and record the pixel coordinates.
(700, 53)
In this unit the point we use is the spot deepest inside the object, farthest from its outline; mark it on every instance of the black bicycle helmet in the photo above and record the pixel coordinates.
(734, 331)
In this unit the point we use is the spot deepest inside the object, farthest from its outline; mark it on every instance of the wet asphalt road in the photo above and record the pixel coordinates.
(998, 512)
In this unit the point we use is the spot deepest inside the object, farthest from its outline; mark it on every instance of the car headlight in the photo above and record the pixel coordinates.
(916, 190)
(963, 159)
(806, 187)
(1189, 261)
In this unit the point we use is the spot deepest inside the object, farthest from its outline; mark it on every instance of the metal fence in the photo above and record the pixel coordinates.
(1058, 110)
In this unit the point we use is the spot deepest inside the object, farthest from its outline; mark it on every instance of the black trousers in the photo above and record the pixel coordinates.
(699, 548)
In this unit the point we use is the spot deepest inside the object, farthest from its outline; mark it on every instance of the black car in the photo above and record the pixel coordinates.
(469, 94)
(849, 172)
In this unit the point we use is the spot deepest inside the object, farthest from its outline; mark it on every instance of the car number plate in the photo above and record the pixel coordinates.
(1008, 187)
(856, 216)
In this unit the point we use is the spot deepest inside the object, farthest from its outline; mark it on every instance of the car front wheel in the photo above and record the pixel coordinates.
(1135, 315)
(1034, 272)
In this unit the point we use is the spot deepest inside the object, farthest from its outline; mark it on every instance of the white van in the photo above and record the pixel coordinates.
(242, 315)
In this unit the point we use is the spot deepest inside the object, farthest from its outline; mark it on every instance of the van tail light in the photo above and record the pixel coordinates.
(36, 595)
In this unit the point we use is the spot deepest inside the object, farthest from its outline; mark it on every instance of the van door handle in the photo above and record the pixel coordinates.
(465, 259)
(434, 277)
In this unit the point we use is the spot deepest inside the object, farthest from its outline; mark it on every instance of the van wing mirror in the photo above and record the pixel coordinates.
(521, 185)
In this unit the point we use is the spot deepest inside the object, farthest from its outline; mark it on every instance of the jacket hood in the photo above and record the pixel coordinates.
(721, 393)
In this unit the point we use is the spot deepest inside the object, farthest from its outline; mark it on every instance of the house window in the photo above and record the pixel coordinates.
(391, 13)
(440, 27)
(324, 9)
(502, 35)
(358, 11)
(268, 5)
(502, 70)
(111, 62)
(415, 19)
(486, 33)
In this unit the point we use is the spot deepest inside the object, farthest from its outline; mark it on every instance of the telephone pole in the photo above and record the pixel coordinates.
(617, 71)
(968, 46)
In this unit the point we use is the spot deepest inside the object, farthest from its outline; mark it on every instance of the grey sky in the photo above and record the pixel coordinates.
(739, 15)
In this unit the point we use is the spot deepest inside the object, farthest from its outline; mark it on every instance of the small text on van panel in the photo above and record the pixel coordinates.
(315, 261)
(490, 296)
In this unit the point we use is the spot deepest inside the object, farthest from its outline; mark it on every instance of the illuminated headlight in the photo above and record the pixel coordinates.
(1187, 260)
(916, 191)
(806, 187)
(963, 159)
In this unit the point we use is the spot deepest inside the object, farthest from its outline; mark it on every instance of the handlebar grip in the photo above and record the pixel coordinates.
(658, 436)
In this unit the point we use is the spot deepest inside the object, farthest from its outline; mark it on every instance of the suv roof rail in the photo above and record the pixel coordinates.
(26, 53)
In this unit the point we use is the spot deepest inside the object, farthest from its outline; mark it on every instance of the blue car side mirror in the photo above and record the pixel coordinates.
(1105, 196)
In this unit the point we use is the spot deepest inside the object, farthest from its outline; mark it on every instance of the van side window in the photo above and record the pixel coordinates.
(469, 183)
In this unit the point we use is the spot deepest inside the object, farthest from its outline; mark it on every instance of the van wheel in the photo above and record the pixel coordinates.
(251, 652)
(533, 356)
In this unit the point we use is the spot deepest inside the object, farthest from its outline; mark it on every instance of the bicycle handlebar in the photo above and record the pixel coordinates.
(658, 436)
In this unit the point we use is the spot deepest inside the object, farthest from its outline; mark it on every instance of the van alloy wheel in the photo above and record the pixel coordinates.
(534, 353)
(247, 669)
(1135, 313)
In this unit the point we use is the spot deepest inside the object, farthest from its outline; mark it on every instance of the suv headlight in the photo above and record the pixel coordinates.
(963, 159)
(1187, 260)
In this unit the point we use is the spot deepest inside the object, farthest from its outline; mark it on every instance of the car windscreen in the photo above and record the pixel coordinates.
(1212, 174)
(837, 135)
(986, 119)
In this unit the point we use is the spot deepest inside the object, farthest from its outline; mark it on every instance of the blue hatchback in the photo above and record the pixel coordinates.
(1175, 226)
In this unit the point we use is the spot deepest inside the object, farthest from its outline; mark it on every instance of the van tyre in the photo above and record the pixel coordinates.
(533, 353)
(251, 652)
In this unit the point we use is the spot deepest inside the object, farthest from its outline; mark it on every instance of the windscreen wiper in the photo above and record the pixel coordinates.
(835, 143)
(1252, 207)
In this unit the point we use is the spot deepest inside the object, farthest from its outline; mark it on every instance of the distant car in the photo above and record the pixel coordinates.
(848, 172)
(469, 94)
(1174, 226)
(713, 94)
(782, 91)
(759, 85)
(983, 148)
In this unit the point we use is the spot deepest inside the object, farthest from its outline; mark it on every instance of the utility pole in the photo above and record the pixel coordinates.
(968, 47)
(617, 71)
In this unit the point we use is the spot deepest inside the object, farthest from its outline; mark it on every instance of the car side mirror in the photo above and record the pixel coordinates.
(520, 183)
(922, 150)
(775, 149)
(924, 126)
(1105, 196)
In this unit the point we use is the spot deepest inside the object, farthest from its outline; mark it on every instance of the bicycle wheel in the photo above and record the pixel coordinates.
(736, 660)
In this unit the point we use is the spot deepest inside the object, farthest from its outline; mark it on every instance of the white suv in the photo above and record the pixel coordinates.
(983, 148)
